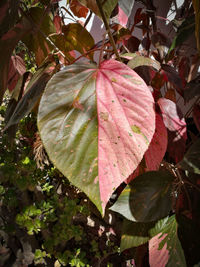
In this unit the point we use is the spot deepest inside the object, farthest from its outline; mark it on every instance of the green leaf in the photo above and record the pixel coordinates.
(107, 6)
(134, 234)
(33, 92)
(74, 37)
(165, 248)
(138, 61)
(75, 151)
(191, 160)
(184, 31)
(146, 198)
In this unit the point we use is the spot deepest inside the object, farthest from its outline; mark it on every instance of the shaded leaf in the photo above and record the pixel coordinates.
(191, 160)
(192, 89)
(134, 234)
(176, 126)
(57, 20)
(86, 120)
(8, 15)
(78, 10)
(132, 44)
(196, 6)
(146, 198)
(173, 77)
(36, 40)
(159, 39)
(7, 45)
(165, 248)
(33, 93)
(184, 31)
(138, 60)
(196, 115)
(74, 37)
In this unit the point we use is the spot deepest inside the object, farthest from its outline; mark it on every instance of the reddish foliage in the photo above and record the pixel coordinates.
(78, 9)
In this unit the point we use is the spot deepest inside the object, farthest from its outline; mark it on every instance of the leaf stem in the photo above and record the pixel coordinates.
(108, 29)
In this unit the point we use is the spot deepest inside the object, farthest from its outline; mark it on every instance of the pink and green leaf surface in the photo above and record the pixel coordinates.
(96, 124)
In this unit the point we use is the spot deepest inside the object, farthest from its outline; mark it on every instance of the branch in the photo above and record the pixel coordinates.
(108, 29)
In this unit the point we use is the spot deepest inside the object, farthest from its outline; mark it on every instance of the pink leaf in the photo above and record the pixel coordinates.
(155, 152)
(126, 118)
(177, 131)
(16, 69)
(122, 17)
(158, 257)
(57, 20)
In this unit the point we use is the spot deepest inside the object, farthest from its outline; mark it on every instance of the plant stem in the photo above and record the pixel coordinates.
(108, 29)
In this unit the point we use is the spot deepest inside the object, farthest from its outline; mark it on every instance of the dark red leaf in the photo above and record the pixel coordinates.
(177, 131)
(16, 69)
(173, 77)
(78, 9)
(57, 20)
(196, 115)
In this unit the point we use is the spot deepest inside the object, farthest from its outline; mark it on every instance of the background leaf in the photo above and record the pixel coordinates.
(176, 126)
(7, 45)
(134, 234)
(74, 37)
(147, 198)
(191, 160)
(125, 8)
(36, 40)
(107, 6)
(96, 153)
(34, 91)
(196, 6)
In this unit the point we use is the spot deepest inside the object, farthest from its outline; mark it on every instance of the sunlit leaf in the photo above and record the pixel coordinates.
(156, 151)
(147, 198)
(74, 37)
(165, 248)
(107, 6)
(137, 60)
(176, 126)
(191, 160)
(96, 124)
(36, 40)
(125, 8)
(78, 10)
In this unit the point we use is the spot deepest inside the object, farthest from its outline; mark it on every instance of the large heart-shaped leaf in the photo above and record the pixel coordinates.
(96, 124)
(165, 248)
(147, 198)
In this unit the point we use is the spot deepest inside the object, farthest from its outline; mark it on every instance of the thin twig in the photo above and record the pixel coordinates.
(108, 29)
